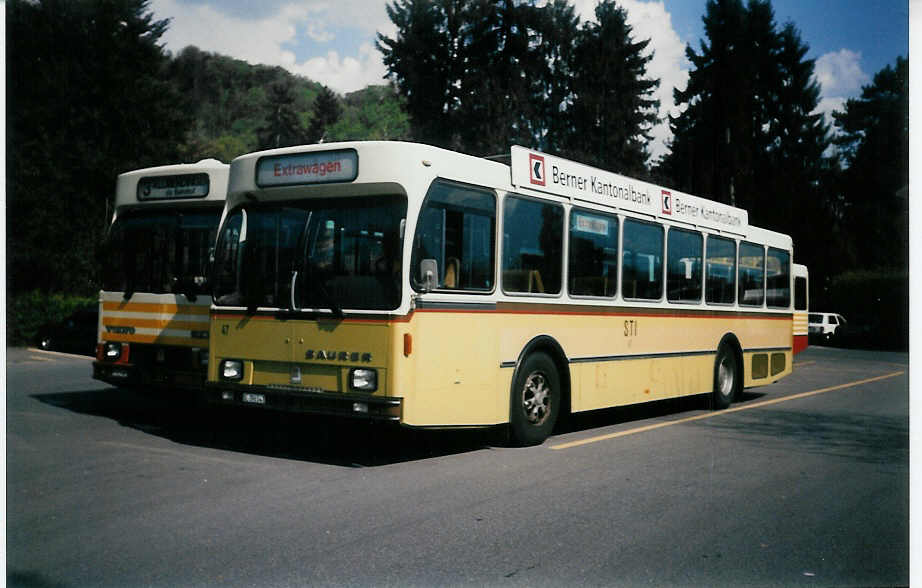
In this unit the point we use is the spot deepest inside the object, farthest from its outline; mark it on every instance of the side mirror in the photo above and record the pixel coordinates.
(429, 274)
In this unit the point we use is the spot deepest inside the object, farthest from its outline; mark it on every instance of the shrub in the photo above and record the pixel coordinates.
(27, 312)
(876, 305)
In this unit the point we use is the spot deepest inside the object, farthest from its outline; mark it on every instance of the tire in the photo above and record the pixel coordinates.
(535, 402)
(727, 377)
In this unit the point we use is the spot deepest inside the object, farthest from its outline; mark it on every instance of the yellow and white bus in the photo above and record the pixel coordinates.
(155, 300)
(408, 283)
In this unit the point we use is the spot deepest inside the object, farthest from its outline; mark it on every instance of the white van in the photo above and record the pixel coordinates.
(824, 326)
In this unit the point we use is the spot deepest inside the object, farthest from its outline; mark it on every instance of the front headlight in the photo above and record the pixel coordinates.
(363, 379)
(231, 369)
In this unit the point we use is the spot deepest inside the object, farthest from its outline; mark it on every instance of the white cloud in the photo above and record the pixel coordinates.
(266, 36)
(840, 73)
(840, 77)
(345, 74)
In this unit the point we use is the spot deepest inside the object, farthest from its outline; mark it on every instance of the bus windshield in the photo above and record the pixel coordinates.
(312, 254)
(163, 251)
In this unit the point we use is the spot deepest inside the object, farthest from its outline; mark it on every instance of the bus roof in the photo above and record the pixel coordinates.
(355, 168)
(169, 184)
(374, 167)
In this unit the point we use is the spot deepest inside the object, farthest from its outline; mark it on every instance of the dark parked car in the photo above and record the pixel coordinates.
(75, 334)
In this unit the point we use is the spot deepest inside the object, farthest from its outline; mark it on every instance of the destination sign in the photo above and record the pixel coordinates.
(320, 167)
(562, 177)
(173, 187)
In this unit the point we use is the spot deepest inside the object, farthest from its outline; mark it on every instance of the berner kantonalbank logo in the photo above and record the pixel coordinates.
(667, 202)
(536, 170)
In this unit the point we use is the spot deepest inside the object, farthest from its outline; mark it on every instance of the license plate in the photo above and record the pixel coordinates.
(254, 398)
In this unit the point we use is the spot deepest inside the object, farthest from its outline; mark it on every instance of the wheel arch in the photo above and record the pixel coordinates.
(550, 346)
(730, 340)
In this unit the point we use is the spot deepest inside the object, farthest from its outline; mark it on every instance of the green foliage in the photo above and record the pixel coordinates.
(236, 106)
(375, 113)
(91, 100)
(874, 138)
(478, 76)
(750, 134)
(876, 305)
(424, 63)
(28, 311)
(326, 112)
(612, 112)
(282, 126)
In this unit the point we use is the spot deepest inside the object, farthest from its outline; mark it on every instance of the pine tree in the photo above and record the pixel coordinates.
(749, 134)
(612, 111)
(555, 32)
(282, 127)
(874, 139)
(91, 100)
(326, 112)
(709, 134)
(422, 60)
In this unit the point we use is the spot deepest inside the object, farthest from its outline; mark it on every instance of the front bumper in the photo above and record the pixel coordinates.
(294, 399)
(156, 366)
(117, 374)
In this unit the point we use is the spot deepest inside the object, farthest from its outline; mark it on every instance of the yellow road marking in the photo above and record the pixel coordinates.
(803, 363)
(709, 415)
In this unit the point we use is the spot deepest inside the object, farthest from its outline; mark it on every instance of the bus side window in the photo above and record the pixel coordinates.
(683, 277)
(642, 265)
(720, 280)
(532, 246)
(457, 228)
(751, 274)
(593, 257)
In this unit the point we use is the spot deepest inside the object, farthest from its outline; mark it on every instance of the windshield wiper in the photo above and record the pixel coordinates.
(330, 301)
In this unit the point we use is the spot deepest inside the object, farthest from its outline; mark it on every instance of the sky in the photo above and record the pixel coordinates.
(333, 41)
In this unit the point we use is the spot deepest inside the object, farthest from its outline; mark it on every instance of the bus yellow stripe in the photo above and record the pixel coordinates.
(156, 323)
(155, 308)
(179, 341)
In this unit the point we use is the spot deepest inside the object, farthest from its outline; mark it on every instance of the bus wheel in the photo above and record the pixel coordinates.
(727, 378)
(535, 400)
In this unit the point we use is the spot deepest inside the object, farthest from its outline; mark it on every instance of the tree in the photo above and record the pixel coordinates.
(750, 134)
(91, 100)
(874, 141)
(555, 29)
(612, 111)
(479, 75)
(709, 137)
(282, 127)
(423, 63)
(326, 113)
